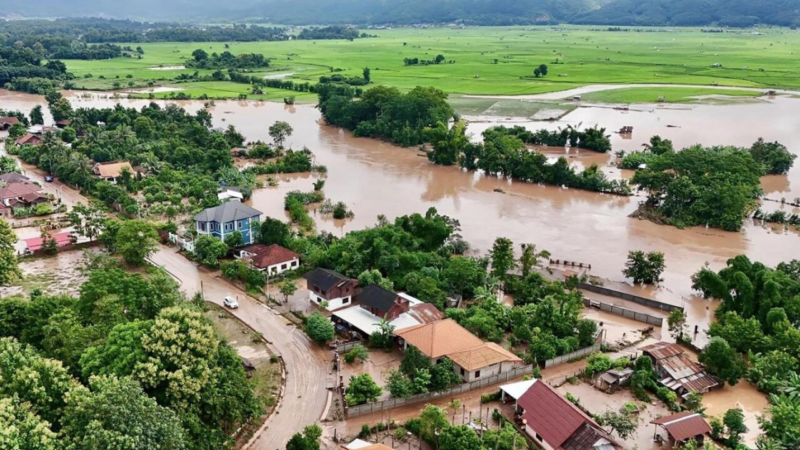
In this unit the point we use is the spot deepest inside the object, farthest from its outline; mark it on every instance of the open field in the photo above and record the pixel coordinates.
(669, 95)
(492, 61)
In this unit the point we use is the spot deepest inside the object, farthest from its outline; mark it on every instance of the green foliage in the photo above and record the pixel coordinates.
(622, 422)
(234, 240)
(358, 352)
(9, 269)
(309, 439)
(279, 132)
(116, 413)
(413, 360)
(505, 438)
(361, 389)
(319, 328)
(773, 155)
(383, 337)
(502, 255)
(385, 112)
(136, 240)
(644, 268)
(459, 437)
(274, 231)
(431, 419)
(677, 324)
(597, 363)
(252, 278)
(22, 428)
(374, 277)
(714, 186)
(723, 361)
(209, 249)
(734, 426)
(399, 385)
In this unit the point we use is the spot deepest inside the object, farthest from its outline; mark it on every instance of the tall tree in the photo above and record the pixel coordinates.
(723, 361)
(279, 132)
(114, 413)
(644, 268)
(9, 268)
(502, 256)
(37, 117)
(136, 240)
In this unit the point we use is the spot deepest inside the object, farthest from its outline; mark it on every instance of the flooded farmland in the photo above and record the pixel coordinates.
(375, 178)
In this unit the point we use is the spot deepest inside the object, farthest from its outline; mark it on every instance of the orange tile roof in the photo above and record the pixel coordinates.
(487, 354)
(441, 338)
(113, 170)
(448, 338)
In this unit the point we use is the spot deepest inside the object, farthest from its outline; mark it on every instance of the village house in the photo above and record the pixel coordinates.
(677, 371)
(473, 358)
(112, 172)
(682, 427)
(228, 218)
(20, 195)
(330, 288)
(363, 319)
(272, 259)
(554, 423)
(62, 240)
(13, 177)
(7, 122)
(29, 139)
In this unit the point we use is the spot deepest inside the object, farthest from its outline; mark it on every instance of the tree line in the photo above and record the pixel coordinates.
(226, 60)
(713, 186)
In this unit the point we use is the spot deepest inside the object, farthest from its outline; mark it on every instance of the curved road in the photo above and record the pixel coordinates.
(308, 367)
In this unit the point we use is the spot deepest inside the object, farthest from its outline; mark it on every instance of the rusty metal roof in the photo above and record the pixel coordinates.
(684, 425)
(662, 350)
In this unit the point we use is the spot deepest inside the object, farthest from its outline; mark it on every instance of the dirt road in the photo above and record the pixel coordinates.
(307, 366)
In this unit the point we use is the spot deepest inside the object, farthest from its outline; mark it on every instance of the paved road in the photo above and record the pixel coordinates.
(307, 366)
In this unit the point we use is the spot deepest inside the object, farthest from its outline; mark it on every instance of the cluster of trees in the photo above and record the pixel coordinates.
(18, 61)
(713, 186)
(593, 138)
(181, 157)
(226, 60)
(757, 318)
(128, 362)
(418, 375)
(774, 157)
(65, 32)
(644, 267)
(351, 81)
(332, 32)
(386, 113)
(424, 62)
(503, 153)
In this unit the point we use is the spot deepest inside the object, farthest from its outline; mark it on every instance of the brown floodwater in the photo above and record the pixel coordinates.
(374, 178)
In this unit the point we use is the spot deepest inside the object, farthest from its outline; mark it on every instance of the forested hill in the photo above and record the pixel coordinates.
(734, 13)
(406, 12)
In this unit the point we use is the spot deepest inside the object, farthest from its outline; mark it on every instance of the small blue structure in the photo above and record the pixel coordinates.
(223, 220)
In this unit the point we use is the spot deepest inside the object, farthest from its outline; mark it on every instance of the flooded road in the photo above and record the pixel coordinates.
(375, 178)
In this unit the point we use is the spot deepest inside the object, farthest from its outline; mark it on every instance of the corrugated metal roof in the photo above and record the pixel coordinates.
(684, 425)
(550, 415)
(662, 350)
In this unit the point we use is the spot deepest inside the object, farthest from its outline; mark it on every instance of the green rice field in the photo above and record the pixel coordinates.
(494, 61)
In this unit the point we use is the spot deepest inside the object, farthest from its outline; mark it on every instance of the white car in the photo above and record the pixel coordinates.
(231, 302)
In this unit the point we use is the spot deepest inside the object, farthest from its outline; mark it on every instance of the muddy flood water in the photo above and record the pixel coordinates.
(375, 178)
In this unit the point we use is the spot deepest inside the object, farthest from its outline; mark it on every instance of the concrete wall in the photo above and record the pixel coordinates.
(333, 304)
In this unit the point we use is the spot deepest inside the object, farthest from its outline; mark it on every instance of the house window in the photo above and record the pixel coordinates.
(296, 263)
(462, 371)
(477, 374)
(202, 226)
(346, 300)
(539, 437)
(283, 266)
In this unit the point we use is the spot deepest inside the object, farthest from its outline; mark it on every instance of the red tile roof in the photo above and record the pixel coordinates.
(554, 417)
(28, 139)
(684, 425)
(271, 255)
(8, 120)
(62, 240)
(16, 190)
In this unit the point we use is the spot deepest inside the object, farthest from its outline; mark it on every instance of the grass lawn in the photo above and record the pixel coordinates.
(496, 60)
(652, 94)
(267, 376)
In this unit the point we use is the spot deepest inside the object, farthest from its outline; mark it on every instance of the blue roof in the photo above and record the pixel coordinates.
(227, 212)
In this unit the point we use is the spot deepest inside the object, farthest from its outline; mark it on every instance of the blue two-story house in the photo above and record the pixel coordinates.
(224, 219)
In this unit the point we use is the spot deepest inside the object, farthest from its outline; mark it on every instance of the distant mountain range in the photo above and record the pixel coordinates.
(404, 12)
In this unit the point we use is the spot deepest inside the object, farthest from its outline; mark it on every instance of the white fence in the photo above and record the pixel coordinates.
(586, 351)
(184, 244)
(465, 387)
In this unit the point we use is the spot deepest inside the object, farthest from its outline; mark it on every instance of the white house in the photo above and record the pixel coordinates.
(272, 259)
(329, 288)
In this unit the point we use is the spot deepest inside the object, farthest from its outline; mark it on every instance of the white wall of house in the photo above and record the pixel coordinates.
(540, 442)
(333, 304)
(481, 373)
(282, 267)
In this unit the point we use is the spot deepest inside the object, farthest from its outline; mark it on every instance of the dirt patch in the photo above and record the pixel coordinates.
(53, 275)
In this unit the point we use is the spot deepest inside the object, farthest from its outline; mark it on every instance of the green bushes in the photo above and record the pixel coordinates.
(253, 279)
